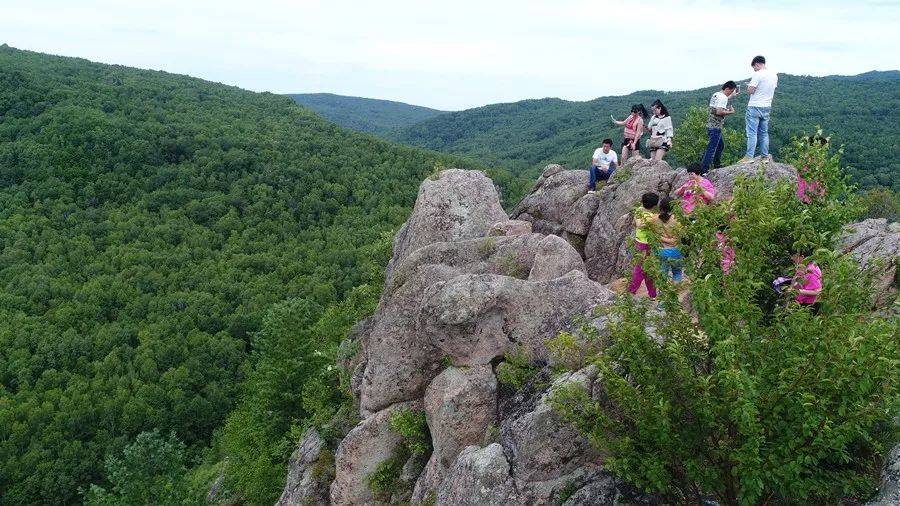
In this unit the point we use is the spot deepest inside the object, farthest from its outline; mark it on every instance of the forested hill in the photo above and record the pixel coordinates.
(525, 135)
(365, 114)
(164, 240)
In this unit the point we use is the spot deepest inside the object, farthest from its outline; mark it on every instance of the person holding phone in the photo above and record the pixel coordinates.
(759, 108)
(634, 129)
(719, 108)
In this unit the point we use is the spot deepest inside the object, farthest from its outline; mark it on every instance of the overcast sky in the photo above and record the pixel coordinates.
(463, 53)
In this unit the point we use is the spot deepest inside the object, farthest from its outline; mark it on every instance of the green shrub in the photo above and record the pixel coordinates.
(517, 368)
(881, 203)
(691, 139)
(487, 247)
(510, 265)
(412, 425)
(384, 480)
(753, 398)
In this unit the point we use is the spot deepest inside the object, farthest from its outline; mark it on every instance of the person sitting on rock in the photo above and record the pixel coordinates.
(669, 232)
(603, 164)
(719, 107)
(807, 281)
(634, 129)
(696, 190)
(661, 131)
(643, 220)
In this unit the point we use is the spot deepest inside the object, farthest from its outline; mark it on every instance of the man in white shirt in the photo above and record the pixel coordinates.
(603, 164)
(761, 89)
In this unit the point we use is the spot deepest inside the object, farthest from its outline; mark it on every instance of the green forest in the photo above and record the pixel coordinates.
(177, 259)
(526, 135)
(365, 114)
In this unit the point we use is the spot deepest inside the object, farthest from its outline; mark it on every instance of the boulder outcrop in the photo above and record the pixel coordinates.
(310, 472)
(875, 243)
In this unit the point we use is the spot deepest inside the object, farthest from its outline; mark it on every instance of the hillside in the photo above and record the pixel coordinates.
(365, 114)
(528, 134)
(155, 229)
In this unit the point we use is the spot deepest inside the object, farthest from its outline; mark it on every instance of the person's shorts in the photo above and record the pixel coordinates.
(637, 145)
(664, 147)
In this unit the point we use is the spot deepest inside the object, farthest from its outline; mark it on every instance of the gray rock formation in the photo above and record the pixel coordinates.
(360, 453)
(480, 476)
(310, 472)
(889, 490)
(510, 227)
(875, 243)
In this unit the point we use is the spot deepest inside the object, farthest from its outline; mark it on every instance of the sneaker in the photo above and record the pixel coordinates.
(769, 159)
(591, 192)
(746, 159)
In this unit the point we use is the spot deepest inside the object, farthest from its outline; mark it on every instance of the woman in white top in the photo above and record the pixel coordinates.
(661, 131)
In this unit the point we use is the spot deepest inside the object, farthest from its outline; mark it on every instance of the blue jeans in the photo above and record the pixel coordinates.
(597, 173)
(713, 154)
(671, 261)
(758, 125)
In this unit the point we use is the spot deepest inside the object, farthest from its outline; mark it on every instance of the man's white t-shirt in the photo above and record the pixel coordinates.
(719, 100)
(605, 159)
(765, 82)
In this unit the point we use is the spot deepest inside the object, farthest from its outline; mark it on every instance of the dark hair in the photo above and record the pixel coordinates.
(662, 108)
(758, 59)
(649, 200)
(639, 108)
(729, 85)
(665, 209)
(607, 141)
(695, 168)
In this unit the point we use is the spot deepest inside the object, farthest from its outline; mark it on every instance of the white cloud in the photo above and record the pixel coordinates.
(464, 53)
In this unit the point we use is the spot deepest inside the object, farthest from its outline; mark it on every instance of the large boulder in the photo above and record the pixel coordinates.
(362, 450)
(455, 204)
(480, 476)
(547, 454)
(310, 471)
(875, 243)
(554, 193)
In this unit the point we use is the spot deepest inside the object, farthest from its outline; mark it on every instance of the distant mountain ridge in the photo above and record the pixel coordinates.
(365, 114)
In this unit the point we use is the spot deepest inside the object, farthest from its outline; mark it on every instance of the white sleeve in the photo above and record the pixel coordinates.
(754, 80)
(615, 157)
(720, 101)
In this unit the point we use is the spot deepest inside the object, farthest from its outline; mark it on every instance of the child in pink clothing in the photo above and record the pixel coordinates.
(696, 190)
(807, 281)
(727, 251)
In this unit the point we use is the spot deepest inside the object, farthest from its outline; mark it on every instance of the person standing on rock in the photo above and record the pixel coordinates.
(719, 107)
(603, 164)
(761, 89)
(634, 129)
(643, 220)
(661, 131)
(669, 230)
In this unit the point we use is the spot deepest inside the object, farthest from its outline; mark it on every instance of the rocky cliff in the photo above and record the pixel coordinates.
(466, 285)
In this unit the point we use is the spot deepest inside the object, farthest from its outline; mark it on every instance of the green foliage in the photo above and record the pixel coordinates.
(526, 135)
(881, 203)
(518, 368)
(411, 424)
(692, 138)
(748, 396)
(510, 265)
(365, 114)
(151, 470)
(148, 223)
(384, 480)
(487, 247)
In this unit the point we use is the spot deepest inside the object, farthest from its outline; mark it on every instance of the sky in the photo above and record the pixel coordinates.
(459, 54)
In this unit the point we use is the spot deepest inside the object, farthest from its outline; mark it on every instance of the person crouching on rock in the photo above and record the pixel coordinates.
(603, 164)
(634, 129)
(643, 220)
(697, 189)
(661, 131)
(669, 231)
(807, 282)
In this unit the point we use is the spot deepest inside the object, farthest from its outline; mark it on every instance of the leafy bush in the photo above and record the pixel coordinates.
(151, 470)
(517, 368)
(747, 396)
(881, 203)
(411, 424)
(383, 481)
(691, 138)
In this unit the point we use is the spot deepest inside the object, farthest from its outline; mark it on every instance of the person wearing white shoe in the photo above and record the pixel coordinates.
(761, 90)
